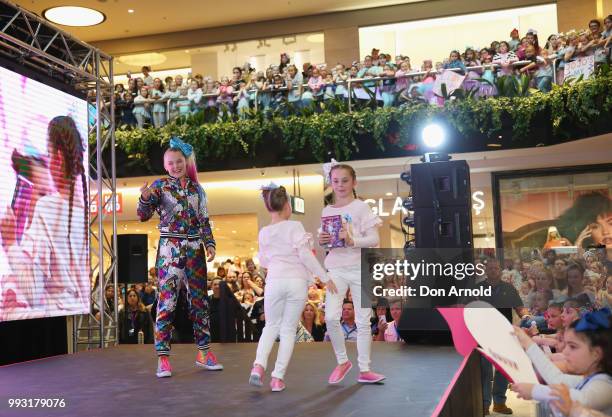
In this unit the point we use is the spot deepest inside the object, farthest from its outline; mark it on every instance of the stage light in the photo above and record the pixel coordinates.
(74, 16)
(433, 135)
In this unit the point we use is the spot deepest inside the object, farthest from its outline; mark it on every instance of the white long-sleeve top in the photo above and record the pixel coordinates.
(362, 225)
(594, 393)
(285, 250)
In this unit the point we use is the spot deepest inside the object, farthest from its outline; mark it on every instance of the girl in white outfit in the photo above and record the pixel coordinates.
(285, 250)
(359, 230)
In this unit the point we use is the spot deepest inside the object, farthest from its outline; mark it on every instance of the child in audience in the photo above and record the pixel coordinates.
(402, 83)
(142, 107)
(454, 61)
(285, 251)
(515, 40)
(183, 103)
(159, 104)
(388, 86)
(588, 354)
(505, 58)
(471, 82)
(211, 92)
(316, 84)
(278, 94)
(225, 98)
(195, 95)
(329, 87)
(243, 100)
(171, 96)
(340, 79)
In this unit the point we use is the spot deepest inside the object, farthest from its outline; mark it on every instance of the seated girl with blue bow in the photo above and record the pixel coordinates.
(588, 353)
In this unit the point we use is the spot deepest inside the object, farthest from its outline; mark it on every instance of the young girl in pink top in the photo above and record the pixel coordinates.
(285, 250)
(359, 230)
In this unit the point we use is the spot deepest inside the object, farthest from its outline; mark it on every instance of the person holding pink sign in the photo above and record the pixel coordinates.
(358, 229)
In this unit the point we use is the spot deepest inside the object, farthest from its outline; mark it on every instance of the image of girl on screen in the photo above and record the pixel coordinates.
(589, 221)
(49, 264)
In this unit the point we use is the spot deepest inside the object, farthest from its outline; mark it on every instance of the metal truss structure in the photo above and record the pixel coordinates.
(32, 42)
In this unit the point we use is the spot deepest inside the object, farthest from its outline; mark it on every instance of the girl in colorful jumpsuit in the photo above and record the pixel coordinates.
(184, 230)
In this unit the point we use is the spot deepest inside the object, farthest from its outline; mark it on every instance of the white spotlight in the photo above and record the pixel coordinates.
(433, 135)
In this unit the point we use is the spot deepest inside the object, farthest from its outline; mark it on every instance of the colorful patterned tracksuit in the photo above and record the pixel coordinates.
(181, 258)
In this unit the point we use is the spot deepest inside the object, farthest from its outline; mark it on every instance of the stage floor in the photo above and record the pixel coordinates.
(120, 381)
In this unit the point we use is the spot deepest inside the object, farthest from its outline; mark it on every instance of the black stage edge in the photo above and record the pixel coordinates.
(120, 381)
(24, 340)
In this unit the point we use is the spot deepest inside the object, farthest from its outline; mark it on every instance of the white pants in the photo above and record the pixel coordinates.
(283, 305)
(348, 277)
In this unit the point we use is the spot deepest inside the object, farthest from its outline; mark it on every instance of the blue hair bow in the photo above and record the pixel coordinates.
(594, 320)
(185, 148)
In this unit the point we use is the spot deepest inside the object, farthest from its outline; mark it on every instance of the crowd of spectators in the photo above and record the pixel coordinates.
(152, 101)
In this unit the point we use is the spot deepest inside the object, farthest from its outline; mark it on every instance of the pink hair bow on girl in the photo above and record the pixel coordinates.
(327, 167)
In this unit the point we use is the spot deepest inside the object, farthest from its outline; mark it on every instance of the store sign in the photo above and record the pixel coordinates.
(106, 197)
(382, 209)
(297, 205)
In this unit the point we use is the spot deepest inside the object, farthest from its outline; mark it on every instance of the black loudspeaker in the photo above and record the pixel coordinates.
(442, 201)
(132, 258)
(424, 325)
(454, 230)
(448, 182)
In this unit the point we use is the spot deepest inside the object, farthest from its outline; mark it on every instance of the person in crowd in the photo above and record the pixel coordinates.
(167, 81)
(455, 62)
(285, 250)
(195, 96)
(532, 39)
(505, 298)
(588, 353)
(178, 80)
(147, 79)
(359, 230)
(226, 314)
(210, 93)
(347, 323)
(575, 283)
(316, 85)
(559, 272)
(604, 296)
(285, 61)
(232, 281)
(181, 260)
(183, 103)
(237, 78)
(279, 92)
(159, 103)
(148, 295)
(505, 58)
(172, 96)
(388, 86)
(242, 100)
(471, 81)
(530, 56)
(329, 91)
(133, 319)
(142, 107)
(389, 332)
(543, 282)
(515, 40)
(225, 98)
(402, 82)
(340, 79)
(312, 323)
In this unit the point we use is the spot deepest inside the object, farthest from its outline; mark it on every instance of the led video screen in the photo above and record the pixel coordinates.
(44, 246)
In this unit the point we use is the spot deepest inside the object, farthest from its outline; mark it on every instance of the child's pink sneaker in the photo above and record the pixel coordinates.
(340, 372)
(257, 376)
(370, 377)
(277, 385)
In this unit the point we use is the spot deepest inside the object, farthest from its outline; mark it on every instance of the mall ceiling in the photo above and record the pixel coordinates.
(160, 16)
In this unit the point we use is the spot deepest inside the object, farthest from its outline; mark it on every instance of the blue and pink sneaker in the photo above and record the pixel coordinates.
(208, 361)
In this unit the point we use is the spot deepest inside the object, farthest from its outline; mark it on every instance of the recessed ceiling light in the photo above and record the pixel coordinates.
(74, 16)
(233, 231)
(388, 194)
(130, 10)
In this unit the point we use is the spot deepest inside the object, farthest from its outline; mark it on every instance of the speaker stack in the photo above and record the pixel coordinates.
(442, 218)
(132, 258)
